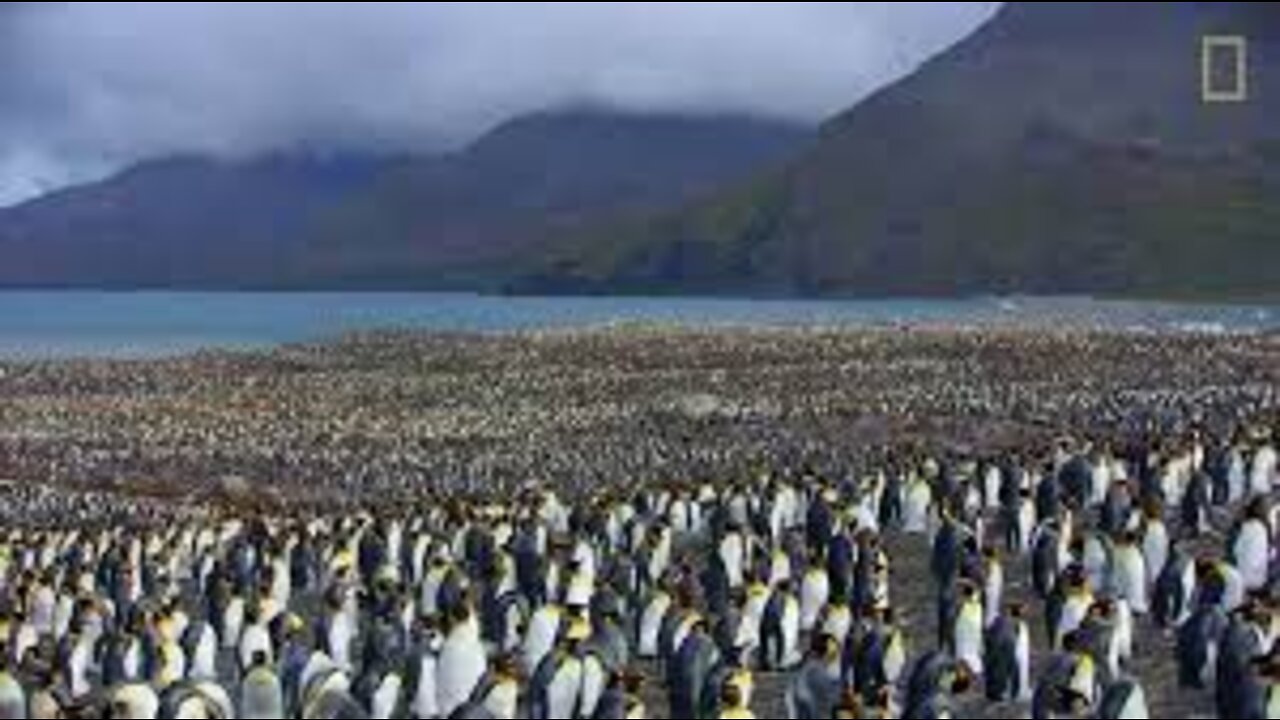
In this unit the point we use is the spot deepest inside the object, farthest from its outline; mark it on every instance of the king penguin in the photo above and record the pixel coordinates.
(1008, 657)
(134, 702)
(425, 702)
(1123, 699)
(1129, 574)
(1251, 547)
(815, 594)
(734, 705)
(556, 688)
(968, 629)
(462, 661)
(814, 689)
(13, 698)
(261, 697)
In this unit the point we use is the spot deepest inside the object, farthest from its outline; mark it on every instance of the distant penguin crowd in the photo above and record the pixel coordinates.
(814, 524)
(675, 600)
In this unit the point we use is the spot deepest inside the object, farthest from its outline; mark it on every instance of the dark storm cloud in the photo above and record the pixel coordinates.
(87, 87)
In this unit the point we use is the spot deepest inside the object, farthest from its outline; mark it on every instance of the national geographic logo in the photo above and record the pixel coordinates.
(1224, 69)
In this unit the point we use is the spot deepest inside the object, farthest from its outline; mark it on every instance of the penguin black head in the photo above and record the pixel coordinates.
(1265, 664)
(1256, 611)
(884, 700)
(824, 646)
(887, 614)
(700, 626)
(259, 659)
(1075, 578)
(461, 612)
(507, 666)
(429, 625)
(963, 680)
(116, 710)
(1104, 609)
(1075, 642)
(850, 705)
(1077, 546)
(632, 680)
(731, 695)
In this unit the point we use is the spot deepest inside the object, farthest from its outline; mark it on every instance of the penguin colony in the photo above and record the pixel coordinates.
(647, 523)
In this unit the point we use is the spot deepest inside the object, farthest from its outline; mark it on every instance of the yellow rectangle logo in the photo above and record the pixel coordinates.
(1224, 74)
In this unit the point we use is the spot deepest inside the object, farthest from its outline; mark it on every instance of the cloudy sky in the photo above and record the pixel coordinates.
(86, 88)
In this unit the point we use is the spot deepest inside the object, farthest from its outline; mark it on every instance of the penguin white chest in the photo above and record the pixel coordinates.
(387, 697)
(1026, 525)
(580, 590)
(594, 679)
(1155, 550)
(1023, 657)
(993, 593)
(895, 658)
(815, 594)
(748, 635)
(205, 658)
(504, 701)
(917, 507)
(779, 569)
(651, 625)
(342, 633)
(1074, 612)
(425, 700)
(1135, 706)
(991, 488)
(232, 623)
(791, 655)
(732, 555)
(839, 623)
(1084, 680)
(79, 662)
(544, 626)
(968, 636)
(462, 665)
(1262, 476)
(132, 664)
(564, 692)
(1131, 578)
(1253, 554)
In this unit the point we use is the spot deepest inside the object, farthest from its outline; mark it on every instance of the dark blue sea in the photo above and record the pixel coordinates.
(59, 324)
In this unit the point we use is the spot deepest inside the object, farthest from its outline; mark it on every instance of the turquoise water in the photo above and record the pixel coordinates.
(147, 324)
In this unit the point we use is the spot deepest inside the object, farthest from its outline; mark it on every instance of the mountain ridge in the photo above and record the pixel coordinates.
(1057, 150)
(298, 220)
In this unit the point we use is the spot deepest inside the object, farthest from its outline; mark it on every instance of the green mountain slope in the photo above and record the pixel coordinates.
(1063, 148)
